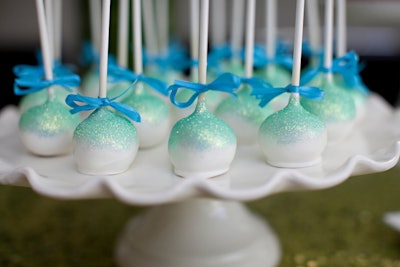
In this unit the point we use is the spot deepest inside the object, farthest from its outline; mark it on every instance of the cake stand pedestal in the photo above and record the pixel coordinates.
(198, 233)
(201, 222)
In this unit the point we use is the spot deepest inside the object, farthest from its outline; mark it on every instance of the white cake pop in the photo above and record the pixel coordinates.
(293, 137)
(104, 143)
(243, 113)
(336, 109)
(155, 118)
(46, 129)
(201, 145)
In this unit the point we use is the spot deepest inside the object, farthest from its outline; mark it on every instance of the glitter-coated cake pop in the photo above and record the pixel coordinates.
(155, 118)
(47, 129)
(201, 145)
(293, 137)
(243, 114)
(336, 109)
(38, 98)
(105, 143)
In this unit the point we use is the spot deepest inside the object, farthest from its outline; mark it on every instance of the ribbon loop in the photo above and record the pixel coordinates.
(27, 85)
(226, 82)
(305, 91)
(80, 103)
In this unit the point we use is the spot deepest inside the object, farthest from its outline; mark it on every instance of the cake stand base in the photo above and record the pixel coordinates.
(198, 233)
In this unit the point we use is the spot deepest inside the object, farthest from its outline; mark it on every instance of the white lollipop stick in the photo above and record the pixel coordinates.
(328, 33)
(271, 28)
(137, 36)
(218, 20)
(95, 22)
(45, 45)
(341, 28)
(237, 26)
(194, 34)
(250, 25)
(57, 35)
(203, 40)
(150, 38)
(298, 41)
(313, 24)
(105, 32)
(162, 10)
(123, 32)
(49, 24)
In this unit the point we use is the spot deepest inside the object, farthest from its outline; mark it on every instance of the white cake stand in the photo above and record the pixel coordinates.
(201, 222)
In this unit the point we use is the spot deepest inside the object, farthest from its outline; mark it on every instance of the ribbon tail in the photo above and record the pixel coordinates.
(265, 99)
(126, 110)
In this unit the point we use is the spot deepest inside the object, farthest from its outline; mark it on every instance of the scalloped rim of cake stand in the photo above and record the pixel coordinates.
(373, 146)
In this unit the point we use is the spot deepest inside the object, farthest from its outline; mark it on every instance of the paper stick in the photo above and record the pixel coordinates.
(298, 42)
(137, 36)
(49, 24)
(328, 33)
(218, 22)
(237, 25)
(44, 40)
(150, 37)
(57, 29)
(194, 34)
(162, 11)
(105, 31)
(250, 28)
(95, 23)
(203, 40)
(341, 39)
(271, 28)
(123, 32)
(313, 24)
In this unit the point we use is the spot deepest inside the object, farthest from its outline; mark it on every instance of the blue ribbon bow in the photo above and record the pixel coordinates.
(305, 91)
(226, 82)
(257, 84)
(27, 85)
(346, 66)
(80, 103)
(38, 71)
(118, 74)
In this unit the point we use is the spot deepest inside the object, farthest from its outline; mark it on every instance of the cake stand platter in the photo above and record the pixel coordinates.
(201, 222)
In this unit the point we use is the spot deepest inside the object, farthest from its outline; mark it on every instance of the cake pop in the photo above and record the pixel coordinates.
(155, 114)
(105, 142)
(242, 112)
(293, 137)
(337, 108)
(46, 129)
(202, 145)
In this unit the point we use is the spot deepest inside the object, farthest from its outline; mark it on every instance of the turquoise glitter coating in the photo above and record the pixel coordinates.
(38, 98)
(358, 95)
(49, 119)
(275, 75)
(201, 131)
(106, 130)
(151, 108)
(336, 106)
(243, 106)
(292, 124)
